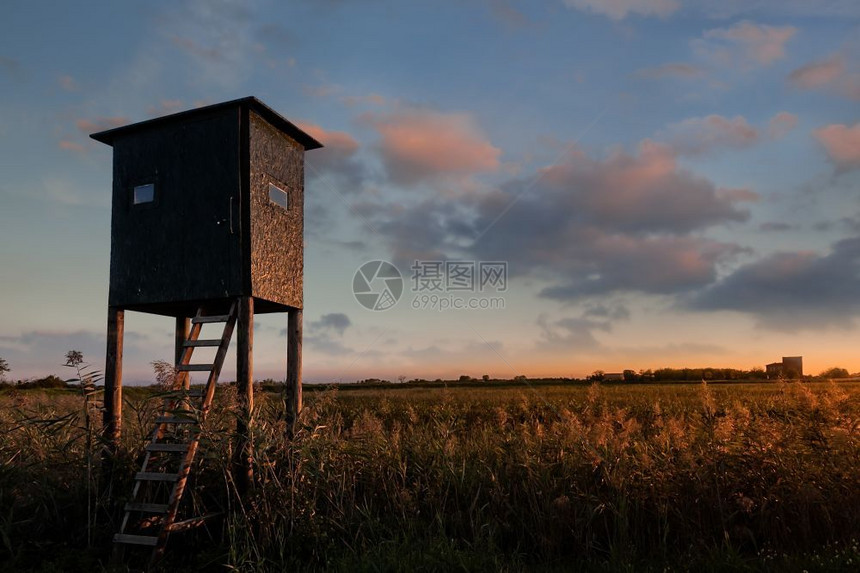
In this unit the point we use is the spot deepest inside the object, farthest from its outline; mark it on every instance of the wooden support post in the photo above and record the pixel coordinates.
(243, 470)
(183, 327)
(294, 368)
(112, 421)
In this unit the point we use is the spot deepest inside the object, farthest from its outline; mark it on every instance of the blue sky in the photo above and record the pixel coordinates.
(670, 183)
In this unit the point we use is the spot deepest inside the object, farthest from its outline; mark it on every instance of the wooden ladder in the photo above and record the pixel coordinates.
(150, 514)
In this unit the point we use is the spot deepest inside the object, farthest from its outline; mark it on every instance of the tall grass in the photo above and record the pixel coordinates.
(615, 478)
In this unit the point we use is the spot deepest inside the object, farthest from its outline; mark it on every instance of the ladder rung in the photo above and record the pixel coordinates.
(135, 539)
(203, 342)
(194, 367)
(167, 447)
(207, 319)
(147, 507)
(174, 420)
(155, 476)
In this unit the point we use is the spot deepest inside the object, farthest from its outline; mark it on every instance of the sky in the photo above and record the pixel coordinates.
(659, 182)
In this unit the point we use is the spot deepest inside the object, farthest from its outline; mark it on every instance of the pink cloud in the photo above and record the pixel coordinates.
(698, 135)
(817, 74)
(781, 124)
(421, 145)
(338, 158)
(100, 124)
(330, 139)
(620, 9)
(71, 146)
(644, 192)
(833, 74)
(842, 144)
(746, 44)
(737, 195)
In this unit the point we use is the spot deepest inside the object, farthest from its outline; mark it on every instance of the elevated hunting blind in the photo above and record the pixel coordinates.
(207, 207)
(207, 226)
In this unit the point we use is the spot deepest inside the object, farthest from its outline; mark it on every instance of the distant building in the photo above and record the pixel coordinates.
(609, 376)
(790, 367)
(773, 370)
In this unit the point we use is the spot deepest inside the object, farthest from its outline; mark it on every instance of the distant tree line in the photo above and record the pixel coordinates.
(686, 374)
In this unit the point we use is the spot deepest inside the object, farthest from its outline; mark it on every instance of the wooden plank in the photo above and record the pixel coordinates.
(135, 539)
(155, 476)
(244, 392)
(113, 378)
(194, 367)
(209, 319)
(167, 447)
(147, 507)
(181, 334)
(183, 328)
(203, 342)
(294, 368)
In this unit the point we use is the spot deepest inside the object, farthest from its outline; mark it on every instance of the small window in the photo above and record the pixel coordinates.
(278, 196)
(144, 193)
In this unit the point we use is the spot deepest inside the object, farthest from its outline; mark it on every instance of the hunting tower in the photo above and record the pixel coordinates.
(206, 226)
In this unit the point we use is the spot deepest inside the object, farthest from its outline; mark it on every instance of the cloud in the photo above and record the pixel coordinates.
(781, 124)
(336, 159)
(793, 289)
(833, 74)
(641, 193)
(606, 311)
(426, 230)
(325, 335)
(165, 107)
(68, 83)
(725, 9)
(571, 333)
(776, 227)
(817, 74)
(331, 139)
(842, 144)
(425, 145)
(698, 135)
(218, 38)
(652, 265)
(336, 321)
(371, 99)
(96, 124)
(620, 9)
(745, 44)
(585, 226)
(70, 145)
(671, 70)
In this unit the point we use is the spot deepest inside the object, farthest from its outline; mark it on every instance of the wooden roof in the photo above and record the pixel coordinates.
(252, 103)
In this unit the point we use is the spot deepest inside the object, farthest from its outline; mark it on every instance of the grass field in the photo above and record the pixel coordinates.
(744, 477)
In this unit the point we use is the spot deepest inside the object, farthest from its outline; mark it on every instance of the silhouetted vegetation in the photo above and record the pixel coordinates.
(616, 477)
(834, 372)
